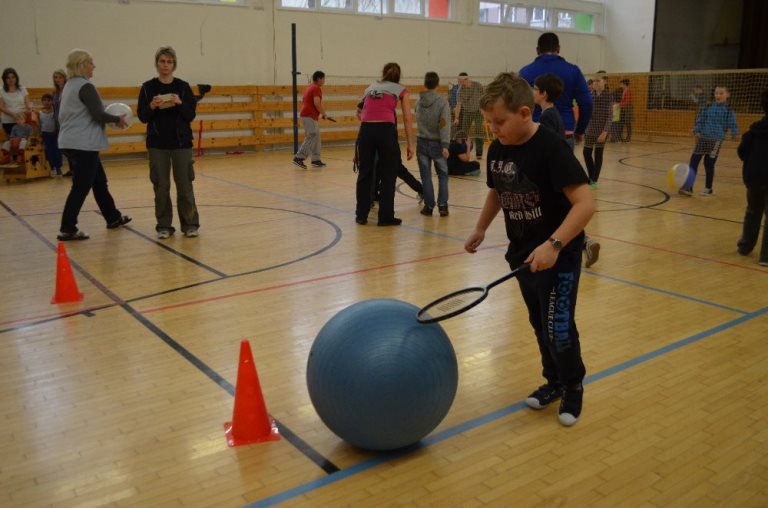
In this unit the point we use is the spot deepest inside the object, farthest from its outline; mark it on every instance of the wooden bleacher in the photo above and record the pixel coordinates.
(242, 117)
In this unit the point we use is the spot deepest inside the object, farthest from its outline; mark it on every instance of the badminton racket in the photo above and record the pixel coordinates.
(461, 301)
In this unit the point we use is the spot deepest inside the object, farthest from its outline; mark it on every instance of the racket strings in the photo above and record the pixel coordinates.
(454, 303)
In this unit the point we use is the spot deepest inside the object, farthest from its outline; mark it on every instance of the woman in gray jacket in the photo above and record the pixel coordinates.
(81, 137)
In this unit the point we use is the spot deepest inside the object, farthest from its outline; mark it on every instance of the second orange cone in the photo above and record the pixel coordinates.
(250, 421)
(66, 287)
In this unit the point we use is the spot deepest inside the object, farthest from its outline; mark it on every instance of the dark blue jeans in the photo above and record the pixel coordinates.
(87, 173)
(428, 150)
(52, 153)
(709, 167)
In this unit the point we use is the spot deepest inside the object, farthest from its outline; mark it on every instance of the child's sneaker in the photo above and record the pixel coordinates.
(763, 262)
(592, 250)
(426, 211)
(685, 192)
(443, 210)
(544, 395)
(570, 405)
(706, 193)
(192, 233)
(163, 234)
(318, 164)
(300, 163)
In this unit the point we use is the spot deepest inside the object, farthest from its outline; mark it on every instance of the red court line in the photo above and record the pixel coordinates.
(308, 281)
(364, 270)
(684, 254)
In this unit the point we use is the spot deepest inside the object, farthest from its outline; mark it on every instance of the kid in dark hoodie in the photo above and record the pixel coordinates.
(753, 150)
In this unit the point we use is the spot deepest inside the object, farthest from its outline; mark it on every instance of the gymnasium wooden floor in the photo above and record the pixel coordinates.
(120, 400)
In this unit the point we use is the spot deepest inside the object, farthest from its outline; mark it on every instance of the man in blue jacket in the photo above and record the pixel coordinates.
(575, 86)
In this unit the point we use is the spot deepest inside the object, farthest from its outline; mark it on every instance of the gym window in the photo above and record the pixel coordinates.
(586, 18)
(239, 3)
(431, 9)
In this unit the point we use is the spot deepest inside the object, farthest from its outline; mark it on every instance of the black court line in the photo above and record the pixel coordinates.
(222, 275)
(290, 436)
(172, 250)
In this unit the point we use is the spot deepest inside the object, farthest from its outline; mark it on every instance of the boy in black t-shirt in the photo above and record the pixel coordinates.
(546, 90)
(535, 179)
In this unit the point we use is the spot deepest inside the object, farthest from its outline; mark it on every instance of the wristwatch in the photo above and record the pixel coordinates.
(557, 244)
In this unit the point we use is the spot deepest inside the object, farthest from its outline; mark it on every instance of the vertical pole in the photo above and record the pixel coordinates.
(294, 73)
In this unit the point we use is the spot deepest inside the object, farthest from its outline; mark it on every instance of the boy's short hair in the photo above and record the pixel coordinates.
(47, 96)
(551, 84)
(318, 75)
(167, 52)
(463, 75)
(431, 80)
(625, 82)
(548, 43)
(513, 90)
(764, 101)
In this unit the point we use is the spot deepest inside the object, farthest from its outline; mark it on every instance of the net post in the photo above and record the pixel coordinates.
(294, 73)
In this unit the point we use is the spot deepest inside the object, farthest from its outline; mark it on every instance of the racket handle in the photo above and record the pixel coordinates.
(513, 273)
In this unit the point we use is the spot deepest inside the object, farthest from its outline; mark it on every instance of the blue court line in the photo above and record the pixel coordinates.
(666, 292)
(496, 415)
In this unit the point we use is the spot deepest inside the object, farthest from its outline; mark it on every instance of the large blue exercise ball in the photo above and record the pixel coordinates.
(379, 379)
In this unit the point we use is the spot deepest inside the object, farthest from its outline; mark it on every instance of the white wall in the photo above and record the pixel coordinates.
(628, 35)
(251, 45)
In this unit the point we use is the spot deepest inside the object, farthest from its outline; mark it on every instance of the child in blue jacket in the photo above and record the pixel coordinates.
(711, 125)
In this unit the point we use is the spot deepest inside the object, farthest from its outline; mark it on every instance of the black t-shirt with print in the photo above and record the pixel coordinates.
(529, 180)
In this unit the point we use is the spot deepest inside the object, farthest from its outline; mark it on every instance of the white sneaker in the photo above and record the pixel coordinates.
(191, 233)
(163, 234)
(706, 193)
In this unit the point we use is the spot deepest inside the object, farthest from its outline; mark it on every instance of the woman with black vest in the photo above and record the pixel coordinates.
(167, 106)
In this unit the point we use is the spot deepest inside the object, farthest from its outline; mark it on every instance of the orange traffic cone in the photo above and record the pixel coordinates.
(66, 287)
(250, 421)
